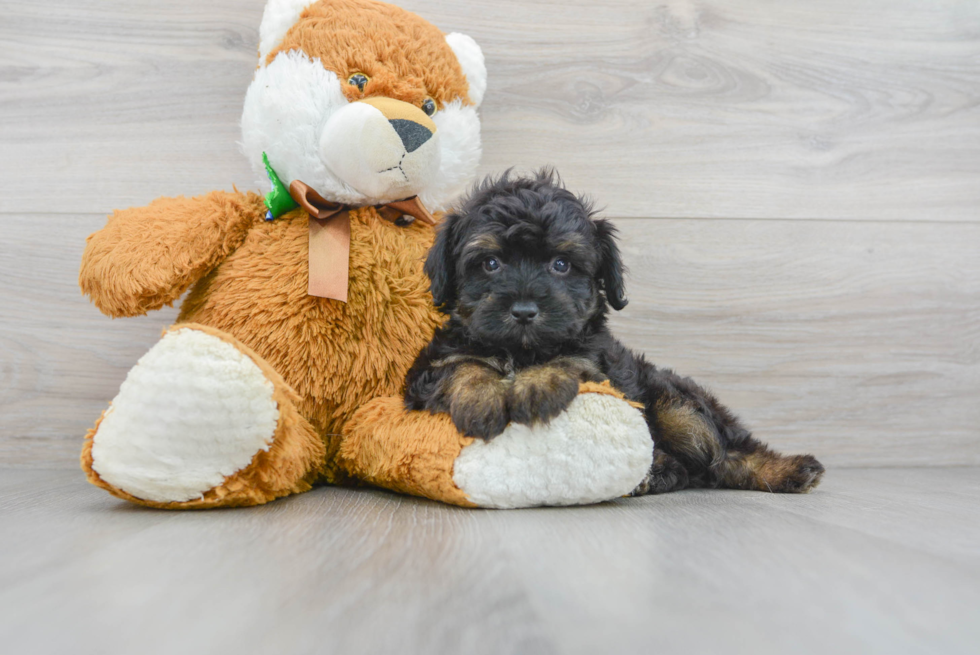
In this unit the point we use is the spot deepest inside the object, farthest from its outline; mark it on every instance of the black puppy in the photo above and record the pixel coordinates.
(526, 275)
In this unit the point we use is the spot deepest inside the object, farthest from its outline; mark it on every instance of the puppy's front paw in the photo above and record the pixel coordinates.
(484, 418)
(540, 394)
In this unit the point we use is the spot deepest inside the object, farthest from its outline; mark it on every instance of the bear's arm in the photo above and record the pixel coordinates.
(145, 257)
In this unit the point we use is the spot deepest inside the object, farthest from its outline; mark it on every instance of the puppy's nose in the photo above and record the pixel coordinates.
(524, 311)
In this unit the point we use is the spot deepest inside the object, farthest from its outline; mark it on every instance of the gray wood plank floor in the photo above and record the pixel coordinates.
(874, 561)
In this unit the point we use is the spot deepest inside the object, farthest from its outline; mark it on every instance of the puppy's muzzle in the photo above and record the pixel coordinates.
(524, 311)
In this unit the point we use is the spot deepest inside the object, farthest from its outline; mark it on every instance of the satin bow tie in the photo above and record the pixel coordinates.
(330, 236)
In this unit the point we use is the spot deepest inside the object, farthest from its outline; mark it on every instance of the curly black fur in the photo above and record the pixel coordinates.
(527, 274)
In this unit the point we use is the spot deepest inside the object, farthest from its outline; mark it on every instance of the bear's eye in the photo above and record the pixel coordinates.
(561, 265)
(358, 80)
(429, 106)
(491, 264)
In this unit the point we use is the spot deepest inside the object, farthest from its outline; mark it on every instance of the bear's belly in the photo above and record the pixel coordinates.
(335, 355)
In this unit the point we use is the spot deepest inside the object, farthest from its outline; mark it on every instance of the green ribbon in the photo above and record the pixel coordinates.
(278, 201)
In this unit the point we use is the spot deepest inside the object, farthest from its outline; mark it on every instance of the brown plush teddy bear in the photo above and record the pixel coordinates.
(308, 305)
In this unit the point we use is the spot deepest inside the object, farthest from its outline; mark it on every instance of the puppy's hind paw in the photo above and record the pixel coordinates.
(799, 475)
(666, 475)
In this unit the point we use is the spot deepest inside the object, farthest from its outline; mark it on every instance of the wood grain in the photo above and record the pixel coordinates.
(865, 564)
(856, 336)
(61, 361)
(856, 341)
(854, 109)
(859, 342)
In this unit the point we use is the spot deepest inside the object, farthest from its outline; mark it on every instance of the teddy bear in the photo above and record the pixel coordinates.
(306, 305)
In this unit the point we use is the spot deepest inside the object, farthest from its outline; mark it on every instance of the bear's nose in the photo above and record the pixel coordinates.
(412, 125)
(524, 311)
(411, 133)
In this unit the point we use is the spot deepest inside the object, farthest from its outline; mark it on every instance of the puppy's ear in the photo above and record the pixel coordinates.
(441, 267)
(611, 268)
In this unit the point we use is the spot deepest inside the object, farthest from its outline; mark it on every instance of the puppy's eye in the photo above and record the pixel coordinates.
(561, 265)
(359, 80)
(429, 106)
(491, 264)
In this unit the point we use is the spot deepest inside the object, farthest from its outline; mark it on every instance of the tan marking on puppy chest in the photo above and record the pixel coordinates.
(555, 375)
(585, 369)
(494, 363)
(547, 378)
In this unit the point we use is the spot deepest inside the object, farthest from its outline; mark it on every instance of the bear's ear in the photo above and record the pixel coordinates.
(440, 265)
(279, 16)
(470, 59)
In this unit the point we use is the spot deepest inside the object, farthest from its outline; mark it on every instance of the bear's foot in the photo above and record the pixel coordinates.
(598, 449)
(202, 421)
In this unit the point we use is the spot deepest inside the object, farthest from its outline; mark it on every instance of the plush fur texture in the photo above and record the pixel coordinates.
(329, 364)
(526, 274)
(376, 450)
(337, 356)
(470, 58)
(301, 111)
(597, 450)
(289, 465)
(227, 415)
(251, 279)
(278, 17)
(361, 145)
(146, 257)
(249, 276)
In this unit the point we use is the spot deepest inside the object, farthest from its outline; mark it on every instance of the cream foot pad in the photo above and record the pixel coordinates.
(598, 449)
(193, 411)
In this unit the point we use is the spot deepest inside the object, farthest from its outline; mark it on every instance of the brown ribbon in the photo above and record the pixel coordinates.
(330, 236)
